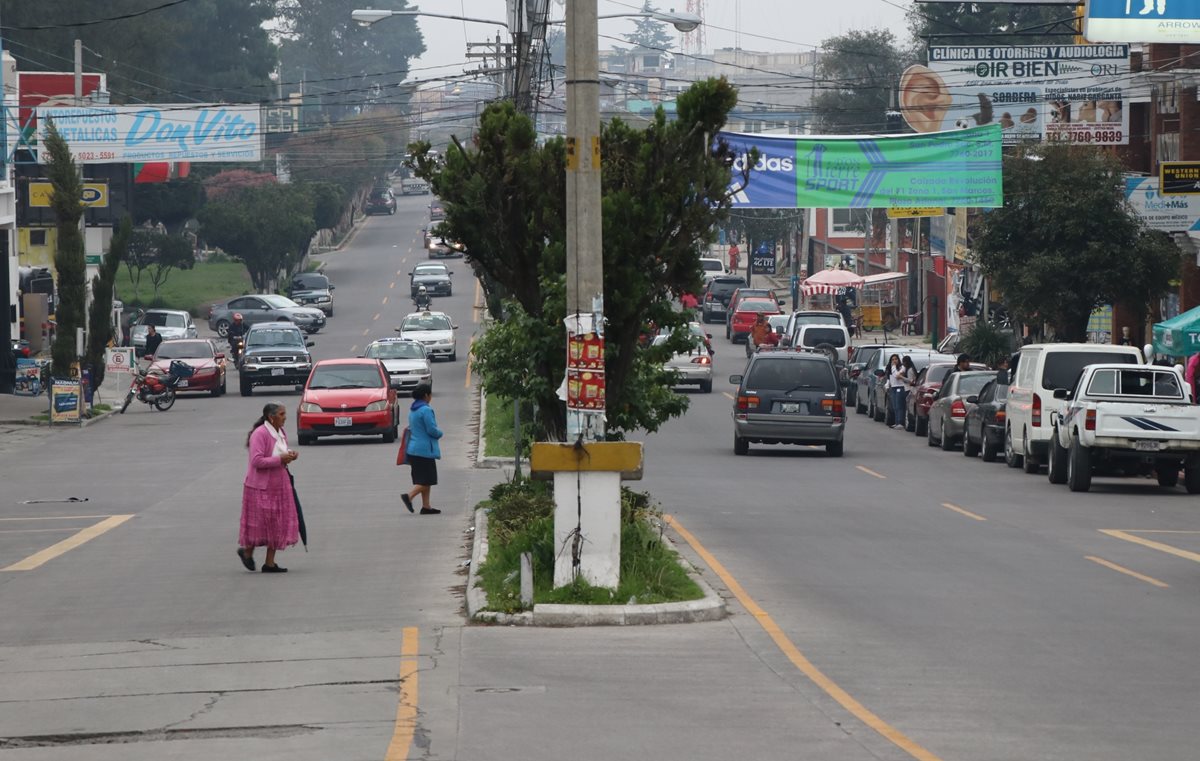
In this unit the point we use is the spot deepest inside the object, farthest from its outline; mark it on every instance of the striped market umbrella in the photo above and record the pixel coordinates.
(832, 282)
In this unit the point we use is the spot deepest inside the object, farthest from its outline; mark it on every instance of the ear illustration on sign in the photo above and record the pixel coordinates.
(924, 98)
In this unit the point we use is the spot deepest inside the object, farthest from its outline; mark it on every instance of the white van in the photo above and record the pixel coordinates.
(1039, 370)
(414, 186)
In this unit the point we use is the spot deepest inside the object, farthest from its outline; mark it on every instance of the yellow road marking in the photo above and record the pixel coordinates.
(1163, 531)
(366, 331)
(967, 513)
(385, 298)
(376, 317)
(1127, 572)
(56, 518)
(354, 348)
(806, 667)
(726, 393)
(392, 284)
(399, 272)
(36, 530)
(1192, 556)
(406, 711)
(870, 472)
(86, 535)
(476, 304)
(467, 382)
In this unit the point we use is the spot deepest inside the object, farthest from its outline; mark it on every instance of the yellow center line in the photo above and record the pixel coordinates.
(354, 348)
(467, 382)
(806, 667)
(385, 298)
(399, 272)
(727, 394)
(967, 513)
(366, 331)
(1127, 572)
(1152, 544)
(406, 711)
(86, 535)
(870, 472)
(392, 284)
(376, 317)
(477, 304)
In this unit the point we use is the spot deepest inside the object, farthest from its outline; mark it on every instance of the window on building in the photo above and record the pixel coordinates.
(847, 221)
(650, 61)
(37, 237)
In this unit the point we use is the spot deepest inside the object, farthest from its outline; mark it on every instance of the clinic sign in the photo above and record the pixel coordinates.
(955, 168)
(1169, 21)
(1073, 93)
(138, 134)
(1170, 214)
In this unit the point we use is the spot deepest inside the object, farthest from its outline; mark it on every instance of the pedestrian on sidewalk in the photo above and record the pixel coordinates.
(734, 258)
(423, 451)
(269, 517)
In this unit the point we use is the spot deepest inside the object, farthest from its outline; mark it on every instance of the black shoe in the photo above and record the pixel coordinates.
(430, 511)
(407, 500)
(247, 560)
(274, 569)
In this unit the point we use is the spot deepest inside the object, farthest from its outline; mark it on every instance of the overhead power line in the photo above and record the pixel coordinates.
(93, 22)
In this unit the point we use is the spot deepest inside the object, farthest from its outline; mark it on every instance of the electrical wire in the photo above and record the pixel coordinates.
(93, 22)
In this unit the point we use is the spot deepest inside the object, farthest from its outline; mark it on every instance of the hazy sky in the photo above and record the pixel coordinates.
(784, 25)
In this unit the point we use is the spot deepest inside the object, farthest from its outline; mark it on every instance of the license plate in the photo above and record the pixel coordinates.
(1147, 446)
(182, 383)
(276, 371)
(342, 422)
(793, 408)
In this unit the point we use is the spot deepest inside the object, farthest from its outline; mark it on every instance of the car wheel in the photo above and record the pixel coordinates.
(390, 435)
(987, 450)
(306, 438)
(449, 291)
(852, 396)
(859, 405)
(1030, 461)
(330, 313)
(1191, 476)
(706, 386)
(215, 392)
(834, 448)
(740, 445)
(223, 328)
(1168, 475)
(889, 417)
(245, 386)
(878, 414)
(1011, 458)
(946, 442)
(728, 334)
(1056, 468)
(921, 426)
(929, 435)
(910, 422)
(454, 356)
(1079, 467)
(970, 448)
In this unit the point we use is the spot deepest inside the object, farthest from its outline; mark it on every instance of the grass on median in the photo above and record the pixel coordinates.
(498, 428)
(522, 520)
(189, 290)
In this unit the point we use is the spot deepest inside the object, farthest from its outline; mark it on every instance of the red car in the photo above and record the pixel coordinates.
(746, 313)
(348, 397)
(921, 398)
(199, 353)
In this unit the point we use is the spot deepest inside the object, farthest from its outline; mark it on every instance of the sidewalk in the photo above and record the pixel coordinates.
(19, 410)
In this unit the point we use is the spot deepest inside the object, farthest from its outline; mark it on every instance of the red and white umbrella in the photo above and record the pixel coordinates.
(832, 282)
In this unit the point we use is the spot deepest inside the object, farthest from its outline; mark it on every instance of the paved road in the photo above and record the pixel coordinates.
(881, 624)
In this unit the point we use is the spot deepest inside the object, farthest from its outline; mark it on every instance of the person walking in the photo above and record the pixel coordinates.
(422, 451)
(153, 341)
(269, 517)
(896, 386)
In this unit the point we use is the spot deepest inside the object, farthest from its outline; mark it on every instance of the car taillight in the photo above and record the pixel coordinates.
(702, 360)
(1089, 420)
(855, 373)
(833, 406)
(746, 402)
(849, 353)
(1000, 416)
(1037, 411)
(708, 297)
(958, 409)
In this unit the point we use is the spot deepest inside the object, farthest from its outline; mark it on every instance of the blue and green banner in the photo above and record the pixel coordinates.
(955, 168)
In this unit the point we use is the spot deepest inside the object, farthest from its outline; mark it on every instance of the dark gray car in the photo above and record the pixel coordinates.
(264, 307)
(312, 289)
(435, 276)
(788, 398)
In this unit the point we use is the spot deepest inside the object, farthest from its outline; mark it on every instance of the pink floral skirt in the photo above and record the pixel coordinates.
(269, 517)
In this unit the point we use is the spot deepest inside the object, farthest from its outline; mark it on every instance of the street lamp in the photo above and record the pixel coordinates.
(368, 16)
(681, 20)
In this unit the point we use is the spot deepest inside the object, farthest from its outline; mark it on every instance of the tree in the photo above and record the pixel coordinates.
(205, 50)
(651, 34)
(329, 203)
(859, 70)
(170, 203)
(159, 254)
(69, 261)
(664, 194)
(1065, 242)
(268, 227)
(100, 326)
(986, 24)
(230, 181)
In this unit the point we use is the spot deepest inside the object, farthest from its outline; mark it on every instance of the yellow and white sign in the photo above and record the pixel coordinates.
(913, 212)
(94, 194)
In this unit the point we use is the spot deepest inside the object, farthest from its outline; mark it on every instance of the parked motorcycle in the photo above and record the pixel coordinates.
(156, 389)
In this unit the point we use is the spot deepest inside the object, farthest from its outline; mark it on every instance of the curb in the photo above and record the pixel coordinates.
(42, 423)
(711, 607)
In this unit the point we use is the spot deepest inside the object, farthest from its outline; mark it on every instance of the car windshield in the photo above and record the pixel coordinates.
(279, 302)
(817, 336)
(1160, 383)
(972, 383)
(1063, 368)
(184, 350)
(315, 282)
(783, 374)
(395, 350)
(274, 337)
(426, 322)
(164, 320)
(346, 376)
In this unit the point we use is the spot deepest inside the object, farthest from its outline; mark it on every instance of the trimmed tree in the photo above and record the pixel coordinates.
(1065, 242)
(69, 263)
(267, 227)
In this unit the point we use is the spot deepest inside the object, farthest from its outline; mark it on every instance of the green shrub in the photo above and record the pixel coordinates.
(986, 343)
(516, 505)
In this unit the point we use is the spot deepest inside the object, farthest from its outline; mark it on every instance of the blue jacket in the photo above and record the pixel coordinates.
(423, 433)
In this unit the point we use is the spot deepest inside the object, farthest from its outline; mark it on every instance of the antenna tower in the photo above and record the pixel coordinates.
(693, 42)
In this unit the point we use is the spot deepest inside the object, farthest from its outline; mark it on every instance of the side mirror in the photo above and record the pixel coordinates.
(332, 287)
(973, 399)
(454, 327)
(1062, 393)
(735, 380)
(780, 302)
(310, 344)
(880, 373)
(450, 272)
(708, 335)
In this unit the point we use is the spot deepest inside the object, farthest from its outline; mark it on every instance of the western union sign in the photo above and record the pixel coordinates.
(95, 194)
(1177, 178)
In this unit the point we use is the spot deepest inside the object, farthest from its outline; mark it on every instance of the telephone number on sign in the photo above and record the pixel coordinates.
(95, 155)
(1100, 137)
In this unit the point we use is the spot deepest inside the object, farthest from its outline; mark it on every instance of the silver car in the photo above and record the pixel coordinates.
(693, 367)
(264, 307)
(948, 414)
(405, 361)
(169, 323)
(433, 330)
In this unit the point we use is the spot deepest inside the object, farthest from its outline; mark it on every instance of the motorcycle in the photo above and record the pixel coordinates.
(156, 389)
(423, 303)
(236, 345)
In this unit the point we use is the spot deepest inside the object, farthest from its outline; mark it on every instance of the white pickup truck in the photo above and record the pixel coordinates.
(1131, 419)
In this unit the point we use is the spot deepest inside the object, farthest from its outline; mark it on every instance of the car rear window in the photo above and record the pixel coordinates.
(973, 384)
(782, 374)
(938, 373)
(1161, 384)
(817, 336)
(1063, 368)
(757, 305)
(818, 319)
(712, 265)
(726, 285)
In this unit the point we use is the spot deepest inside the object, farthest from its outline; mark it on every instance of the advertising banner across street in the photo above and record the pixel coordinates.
(955, 168)
(170, 132)
(1034, 92)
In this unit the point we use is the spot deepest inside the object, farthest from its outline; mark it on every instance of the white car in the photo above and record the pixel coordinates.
(404, 359)
(712, 267)
(693, 367)
(435, 331)
(171, 324)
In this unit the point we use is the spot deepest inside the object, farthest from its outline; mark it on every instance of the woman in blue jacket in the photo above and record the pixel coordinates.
(422, 450)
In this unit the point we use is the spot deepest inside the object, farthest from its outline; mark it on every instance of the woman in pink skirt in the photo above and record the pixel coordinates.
(269, 516)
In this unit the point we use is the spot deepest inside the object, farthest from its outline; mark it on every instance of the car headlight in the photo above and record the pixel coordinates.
(309, 407)
(378, 406)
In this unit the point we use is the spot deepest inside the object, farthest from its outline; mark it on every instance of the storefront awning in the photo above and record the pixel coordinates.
(884, 277)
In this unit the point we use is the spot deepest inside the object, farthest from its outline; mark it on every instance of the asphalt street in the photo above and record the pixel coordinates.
(899, 602)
